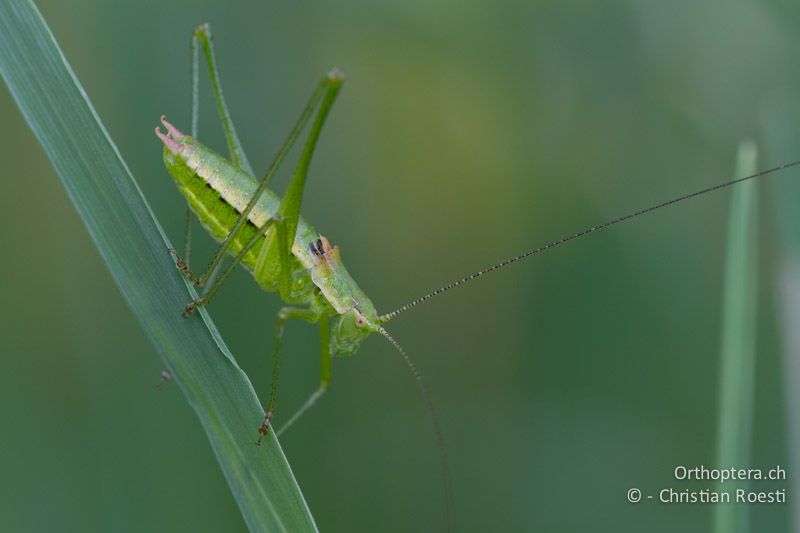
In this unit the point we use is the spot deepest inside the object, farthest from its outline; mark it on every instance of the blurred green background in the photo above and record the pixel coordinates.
(466, 133)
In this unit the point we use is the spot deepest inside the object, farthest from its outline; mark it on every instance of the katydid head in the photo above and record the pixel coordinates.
(352, 328)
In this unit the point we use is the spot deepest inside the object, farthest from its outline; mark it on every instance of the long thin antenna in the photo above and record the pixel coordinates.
(587, 231)
(445, 463)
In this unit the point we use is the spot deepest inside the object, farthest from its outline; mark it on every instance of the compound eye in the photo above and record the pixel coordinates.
(361, 321)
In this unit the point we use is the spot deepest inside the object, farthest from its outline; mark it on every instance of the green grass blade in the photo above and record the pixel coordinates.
(133, 246)
(737, 363)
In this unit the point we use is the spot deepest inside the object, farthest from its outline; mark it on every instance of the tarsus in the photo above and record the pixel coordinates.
(587, 231)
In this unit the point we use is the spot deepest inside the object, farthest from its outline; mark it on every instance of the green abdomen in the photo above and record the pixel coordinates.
(217, 192)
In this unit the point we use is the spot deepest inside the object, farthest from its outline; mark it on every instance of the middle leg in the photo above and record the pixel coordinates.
(324, 375)
(284, 314)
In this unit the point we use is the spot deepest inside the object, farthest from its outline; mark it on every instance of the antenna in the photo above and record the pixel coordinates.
(388, 316)
(445, 463)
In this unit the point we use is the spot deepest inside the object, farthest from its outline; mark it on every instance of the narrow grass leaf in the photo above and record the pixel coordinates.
(737, 361)
(134, 246)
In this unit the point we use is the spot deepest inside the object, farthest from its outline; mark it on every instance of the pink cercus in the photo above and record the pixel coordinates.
(173, 134)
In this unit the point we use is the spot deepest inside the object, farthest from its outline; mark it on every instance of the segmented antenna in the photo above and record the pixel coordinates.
(445, 463)
(388, 316)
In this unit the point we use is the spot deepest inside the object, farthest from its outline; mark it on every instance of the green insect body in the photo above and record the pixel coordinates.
(265, 233)
(218, 192)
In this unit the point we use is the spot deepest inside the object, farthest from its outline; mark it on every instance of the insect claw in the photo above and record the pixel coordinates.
(263, 430)
(184, 269)
(166, 375)
(202, 29)
(336, 75)
(191, 306)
